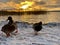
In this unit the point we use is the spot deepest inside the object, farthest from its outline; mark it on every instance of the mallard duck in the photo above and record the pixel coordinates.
(37, 27)
(10, 27)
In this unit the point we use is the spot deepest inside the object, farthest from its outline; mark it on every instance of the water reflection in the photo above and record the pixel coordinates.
(49, 17)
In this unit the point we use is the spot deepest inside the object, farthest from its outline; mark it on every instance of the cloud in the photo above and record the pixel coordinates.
(4, 0)
(8, 5)
(16, 4)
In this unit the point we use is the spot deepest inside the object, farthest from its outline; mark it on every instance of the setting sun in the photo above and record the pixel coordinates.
(26, 4)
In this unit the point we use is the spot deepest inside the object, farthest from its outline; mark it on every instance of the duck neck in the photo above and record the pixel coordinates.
(10, 22)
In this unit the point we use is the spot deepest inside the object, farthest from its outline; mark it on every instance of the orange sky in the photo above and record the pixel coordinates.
(13, 5)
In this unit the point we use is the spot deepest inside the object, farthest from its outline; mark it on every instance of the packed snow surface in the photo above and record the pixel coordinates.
(49, 35)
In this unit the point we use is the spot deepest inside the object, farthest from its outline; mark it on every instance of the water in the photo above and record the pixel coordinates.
(46, 18)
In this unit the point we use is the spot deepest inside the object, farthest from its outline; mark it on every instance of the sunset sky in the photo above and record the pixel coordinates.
(30, 0)
(15, 3)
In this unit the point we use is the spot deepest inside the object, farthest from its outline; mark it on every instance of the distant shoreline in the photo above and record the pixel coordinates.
(25, 12)
(22, 12)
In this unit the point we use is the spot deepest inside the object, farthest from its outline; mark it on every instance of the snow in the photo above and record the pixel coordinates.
(49, 35)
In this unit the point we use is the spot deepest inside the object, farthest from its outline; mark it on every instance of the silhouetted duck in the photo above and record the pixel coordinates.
(10, 27)
(37, 27)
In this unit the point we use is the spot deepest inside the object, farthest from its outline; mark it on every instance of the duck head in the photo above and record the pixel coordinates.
(10, 20)
(40, 23)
